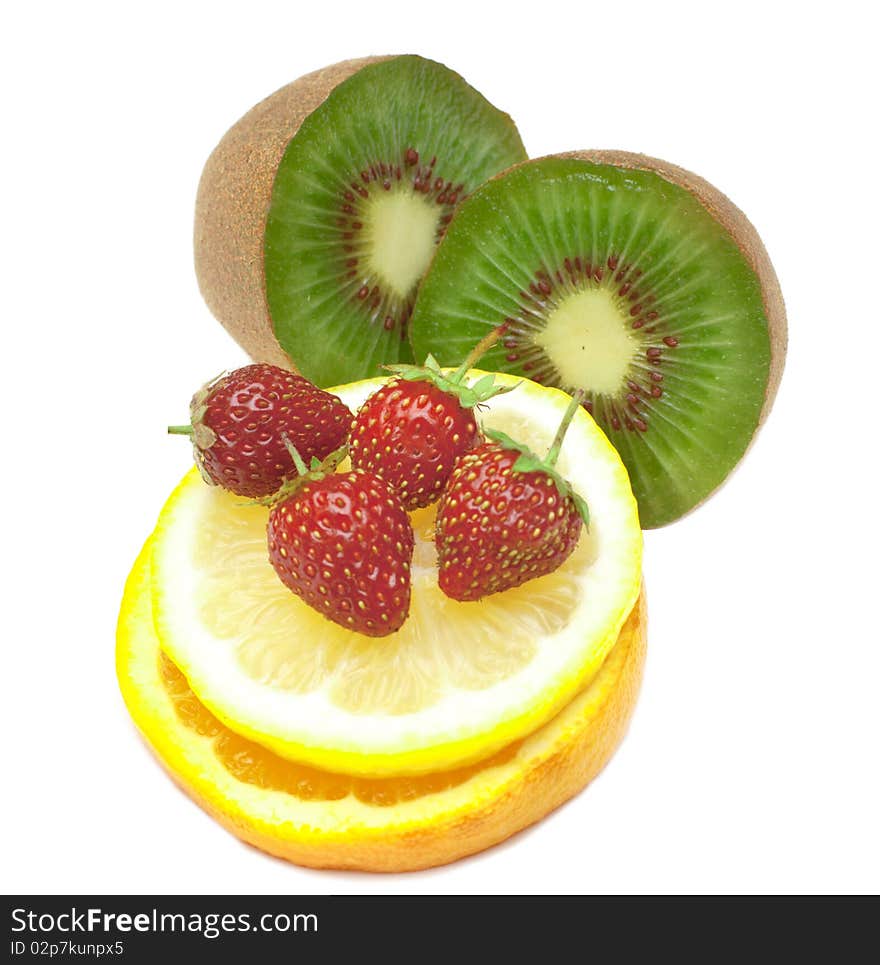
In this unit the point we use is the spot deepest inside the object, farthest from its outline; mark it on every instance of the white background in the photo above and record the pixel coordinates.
(752, 761)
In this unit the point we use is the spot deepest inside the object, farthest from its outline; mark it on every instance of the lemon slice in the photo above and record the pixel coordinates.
(456, 683)
(322, 819)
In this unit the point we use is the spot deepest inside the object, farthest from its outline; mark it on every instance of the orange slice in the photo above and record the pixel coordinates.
(322, 819)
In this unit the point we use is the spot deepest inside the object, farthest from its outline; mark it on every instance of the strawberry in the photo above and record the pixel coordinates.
(344, 543)
(413, 429)
(238, 421)
(506, 517)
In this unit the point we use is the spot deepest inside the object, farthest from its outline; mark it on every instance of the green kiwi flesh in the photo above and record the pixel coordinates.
(362, 194)
(617, 280)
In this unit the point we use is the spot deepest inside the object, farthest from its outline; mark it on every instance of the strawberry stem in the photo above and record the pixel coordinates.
(186, 430)
(576, 401)
(477, 352)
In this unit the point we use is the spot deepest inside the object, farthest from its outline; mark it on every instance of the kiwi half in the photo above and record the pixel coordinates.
(634, 280)
(318, 212)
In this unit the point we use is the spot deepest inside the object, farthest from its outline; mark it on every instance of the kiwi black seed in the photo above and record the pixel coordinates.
(633, 280)
(319, 211)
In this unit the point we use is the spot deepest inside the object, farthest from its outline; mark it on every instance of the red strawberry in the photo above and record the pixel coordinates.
(413, 429)
(344, 543)
(506, 517)
(239, 421)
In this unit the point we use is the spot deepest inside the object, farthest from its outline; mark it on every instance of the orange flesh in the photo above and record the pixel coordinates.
(252, 763)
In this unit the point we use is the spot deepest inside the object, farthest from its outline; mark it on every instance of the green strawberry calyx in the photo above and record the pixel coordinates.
(201, 435)
(315, 471)
(529, 461)
(468, 396)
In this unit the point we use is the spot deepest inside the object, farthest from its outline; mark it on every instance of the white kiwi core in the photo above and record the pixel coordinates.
(586, 338)
(400, 229)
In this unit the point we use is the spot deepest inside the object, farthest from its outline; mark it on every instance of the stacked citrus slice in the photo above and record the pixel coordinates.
(337, 750)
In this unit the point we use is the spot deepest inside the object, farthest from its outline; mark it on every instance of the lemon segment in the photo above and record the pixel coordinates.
(322, 819)
(458, 682)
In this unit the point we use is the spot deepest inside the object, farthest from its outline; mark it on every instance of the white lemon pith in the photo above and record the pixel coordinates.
(456, 683)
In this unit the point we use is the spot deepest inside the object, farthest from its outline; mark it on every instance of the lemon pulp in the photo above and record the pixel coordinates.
(283, 643)
(455, 684)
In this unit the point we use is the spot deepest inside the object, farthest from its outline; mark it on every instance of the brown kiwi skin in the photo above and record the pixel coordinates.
(744, 235)
(232, 205)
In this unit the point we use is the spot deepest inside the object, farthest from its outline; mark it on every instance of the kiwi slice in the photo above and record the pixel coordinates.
(634, 280)
(318, 212)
